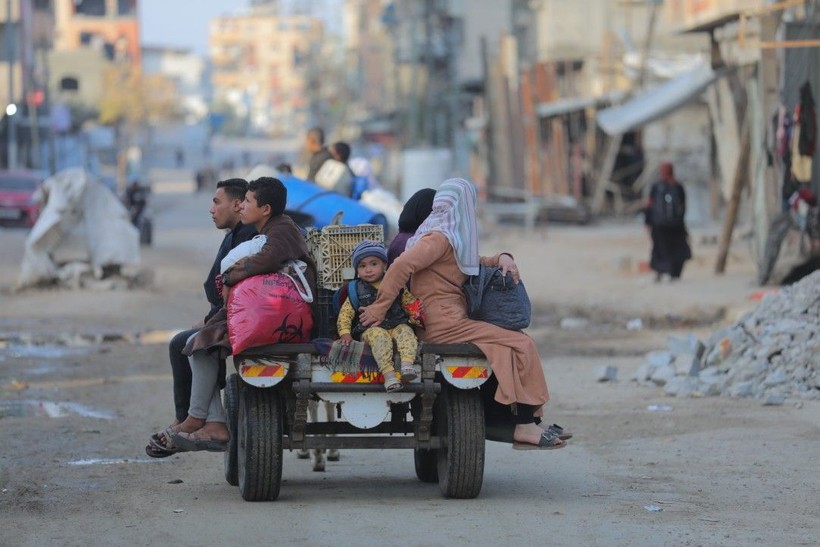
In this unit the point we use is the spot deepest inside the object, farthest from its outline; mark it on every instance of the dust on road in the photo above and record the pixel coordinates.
(721, 471)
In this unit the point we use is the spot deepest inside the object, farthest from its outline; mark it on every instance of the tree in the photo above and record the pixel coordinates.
(133, 99)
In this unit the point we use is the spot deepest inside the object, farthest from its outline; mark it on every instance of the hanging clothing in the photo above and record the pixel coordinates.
(804, 137)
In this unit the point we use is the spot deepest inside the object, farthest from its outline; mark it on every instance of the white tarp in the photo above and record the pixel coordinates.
(80, 208)
(656, 102)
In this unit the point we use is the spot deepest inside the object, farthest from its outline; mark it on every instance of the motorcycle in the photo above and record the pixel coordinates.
(136, 201)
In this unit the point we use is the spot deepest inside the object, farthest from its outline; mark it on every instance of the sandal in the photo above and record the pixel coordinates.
(161, 445)
(548, 441)
(392, 382)
(408, 373)
(156, 452)
(560, 432)
(190, 443)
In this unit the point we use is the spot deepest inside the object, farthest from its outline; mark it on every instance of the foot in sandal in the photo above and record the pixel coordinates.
(392, 381)
(533, 437)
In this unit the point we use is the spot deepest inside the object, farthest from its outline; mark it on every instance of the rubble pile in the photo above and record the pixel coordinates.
(771, 353)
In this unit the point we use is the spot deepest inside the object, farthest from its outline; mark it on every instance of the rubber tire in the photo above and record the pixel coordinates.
(459, 422)
(426, 464)
(230, 399)
(259, 443)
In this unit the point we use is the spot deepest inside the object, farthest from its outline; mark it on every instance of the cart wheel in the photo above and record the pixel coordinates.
(426, 464)
(459, 417)
(259, 443)
(231, 402)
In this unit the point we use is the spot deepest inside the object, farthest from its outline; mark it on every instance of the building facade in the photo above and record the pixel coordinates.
(261, 66)
(90, 37)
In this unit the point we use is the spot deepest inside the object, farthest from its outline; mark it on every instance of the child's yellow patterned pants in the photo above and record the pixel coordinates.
(381, 344)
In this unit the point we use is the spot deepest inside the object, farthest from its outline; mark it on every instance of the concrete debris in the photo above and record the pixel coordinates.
(606, 374)
(634, 324)
(574, 323)
(771, 353)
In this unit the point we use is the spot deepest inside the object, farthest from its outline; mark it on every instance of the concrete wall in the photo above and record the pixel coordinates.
(481, 18)
(87, 66)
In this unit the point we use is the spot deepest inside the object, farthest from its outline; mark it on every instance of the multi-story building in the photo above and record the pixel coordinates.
(186, 70)
(262, 62)
(91, 35)
(26, 34)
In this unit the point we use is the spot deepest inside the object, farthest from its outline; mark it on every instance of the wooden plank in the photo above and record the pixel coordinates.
(603, 182)
(530, 125)
(739, 181)
(559, 140)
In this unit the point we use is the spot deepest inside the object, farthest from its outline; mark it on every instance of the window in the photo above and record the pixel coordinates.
(69, 83)
(126, 7)
(93, 8)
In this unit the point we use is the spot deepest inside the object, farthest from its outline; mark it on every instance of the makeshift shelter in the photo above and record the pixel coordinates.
(82, 215)
(645, 107)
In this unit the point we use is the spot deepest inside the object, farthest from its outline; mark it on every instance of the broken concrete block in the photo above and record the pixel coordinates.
(680, 386)
(660, 358)
(774, 400)
(663, 374)
(742, 389)
(687, 344)
(644, 372)
(606, 374)
(574, 323)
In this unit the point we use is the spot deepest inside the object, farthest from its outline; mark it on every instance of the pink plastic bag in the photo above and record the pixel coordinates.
(267, 309)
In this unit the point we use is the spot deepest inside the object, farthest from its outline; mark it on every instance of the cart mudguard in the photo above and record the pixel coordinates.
(465, 372)
(261, 370)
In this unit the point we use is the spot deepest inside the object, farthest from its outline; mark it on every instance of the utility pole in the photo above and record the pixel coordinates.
(11, 108)
(654, 5)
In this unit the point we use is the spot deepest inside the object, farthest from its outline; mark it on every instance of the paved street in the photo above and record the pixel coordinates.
(84, 381)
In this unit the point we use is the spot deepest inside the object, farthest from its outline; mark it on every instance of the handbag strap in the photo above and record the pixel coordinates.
(303, 290)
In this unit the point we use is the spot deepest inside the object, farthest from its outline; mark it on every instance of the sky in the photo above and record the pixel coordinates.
(182, 23)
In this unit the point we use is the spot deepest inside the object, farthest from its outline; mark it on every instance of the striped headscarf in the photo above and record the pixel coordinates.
(454, 216)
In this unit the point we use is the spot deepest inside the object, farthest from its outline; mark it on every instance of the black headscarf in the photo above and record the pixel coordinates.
(416, 209)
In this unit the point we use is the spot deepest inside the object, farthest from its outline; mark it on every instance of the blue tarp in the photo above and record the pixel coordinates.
(311, 199)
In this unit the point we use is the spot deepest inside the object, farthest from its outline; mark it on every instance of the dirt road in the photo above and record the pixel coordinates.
(709, 471)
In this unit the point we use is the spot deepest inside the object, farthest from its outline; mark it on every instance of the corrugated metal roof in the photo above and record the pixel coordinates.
(656, 102)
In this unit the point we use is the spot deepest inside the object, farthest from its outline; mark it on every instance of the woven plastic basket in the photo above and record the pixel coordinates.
(332, 246)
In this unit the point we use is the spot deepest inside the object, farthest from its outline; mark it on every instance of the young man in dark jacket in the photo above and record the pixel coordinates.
(225, 213)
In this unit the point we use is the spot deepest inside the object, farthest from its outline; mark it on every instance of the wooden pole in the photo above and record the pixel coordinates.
(602, 184)
(530, 123)
(739, 181)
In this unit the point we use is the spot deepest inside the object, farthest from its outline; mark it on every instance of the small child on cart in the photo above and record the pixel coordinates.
(369, 260)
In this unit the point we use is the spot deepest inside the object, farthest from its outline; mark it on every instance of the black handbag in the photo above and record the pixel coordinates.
(496, 299)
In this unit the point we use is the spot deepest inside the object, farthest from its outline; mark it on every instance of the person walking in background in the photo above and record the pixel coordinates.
(415, 211)
(319, 153)
(664, 218)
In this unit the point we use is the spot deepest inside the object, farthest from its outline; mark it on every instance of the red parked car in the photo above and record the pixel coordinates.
(17, 196)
